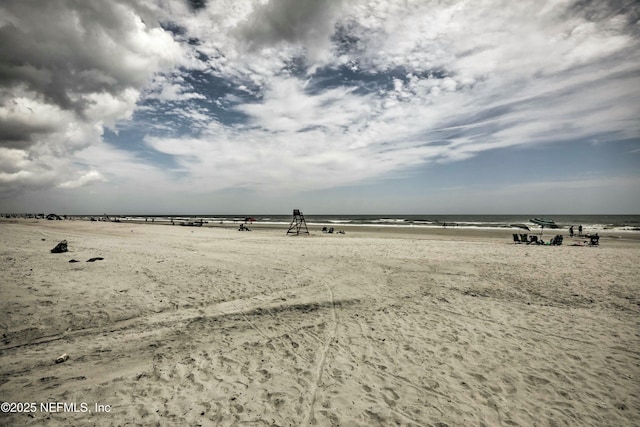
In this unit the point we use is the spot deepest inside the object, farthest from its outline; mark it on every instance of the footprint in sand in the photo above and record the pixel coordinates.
(432, 384)
(276, 400)
(536, 381)
(266, 376)
(389, 396)
(479, 377)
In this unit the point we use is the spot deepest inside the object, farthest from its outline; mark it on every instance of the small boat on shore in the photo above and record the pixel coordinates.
(198, 223)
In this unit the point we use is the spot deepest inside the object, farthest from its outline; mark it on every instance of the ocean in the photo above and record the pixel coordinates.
(591, 223)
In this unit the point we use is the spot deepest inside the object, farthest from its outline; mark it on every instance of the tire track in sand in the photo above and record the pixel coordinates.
(323, 358)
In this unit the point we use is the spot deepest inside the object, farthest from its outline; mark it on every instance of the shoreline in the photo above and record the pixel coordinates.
(381, 230)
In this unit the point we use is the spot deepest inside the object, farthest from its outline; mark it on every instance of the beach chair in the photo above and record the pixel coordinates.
(516, 239)
(594, 240)
(557, 241)
(533, 239)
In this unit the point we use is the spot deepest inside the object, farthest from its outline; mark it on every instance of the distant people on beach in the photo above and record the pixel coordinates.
(571, 231)
(580, 230)
(332, 230)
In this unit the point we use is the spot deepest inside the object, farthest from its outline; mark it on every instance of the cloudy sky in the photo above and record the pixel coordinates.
(233, 106)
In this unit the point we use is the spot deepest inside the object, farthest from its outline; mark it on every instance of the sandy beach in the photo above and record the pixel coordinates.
(376, 327)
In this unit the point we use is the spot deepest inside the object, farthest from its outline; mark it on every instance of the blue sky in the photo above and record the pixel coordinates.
(171, 106)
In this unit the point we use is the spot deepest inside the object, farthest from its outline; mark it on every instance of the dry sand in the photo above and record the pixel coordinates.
(211, 326)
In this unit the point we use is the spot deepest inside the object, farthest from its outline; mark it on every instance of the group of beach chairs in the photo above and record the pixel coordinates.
(594, 240)
(528, 240)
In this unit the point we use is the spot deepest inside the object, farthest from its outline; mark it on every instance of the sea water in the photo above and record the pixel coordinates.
(591, 223)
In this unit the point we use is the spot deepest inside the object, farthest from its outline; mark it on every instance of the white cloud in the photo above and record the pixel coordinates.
(69, 69)
(84, 179)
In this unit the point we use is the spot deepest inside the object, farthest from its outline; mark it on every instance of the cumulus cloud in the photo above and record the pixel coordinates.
(66, 70)
(84, 179)
(305, 23)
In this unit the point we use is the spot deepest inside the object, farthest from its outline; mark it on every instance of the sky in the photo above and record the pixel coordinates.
(327, 106)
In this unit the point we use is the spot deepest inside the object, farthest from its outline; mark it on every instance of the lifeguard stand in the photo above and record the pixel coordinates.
(298, 224)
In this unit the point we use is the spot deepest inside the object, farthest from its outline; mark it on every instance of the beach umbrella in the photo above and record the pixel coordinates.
(523, 226)
(544, 222)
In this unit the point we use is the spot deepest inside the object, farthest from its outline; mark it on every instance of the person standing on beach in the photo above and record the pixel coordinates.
(580, 230)
(571, 231)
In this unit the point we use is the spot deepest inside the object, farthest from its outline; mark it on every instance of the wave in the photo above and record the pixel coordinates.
(591, 223)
